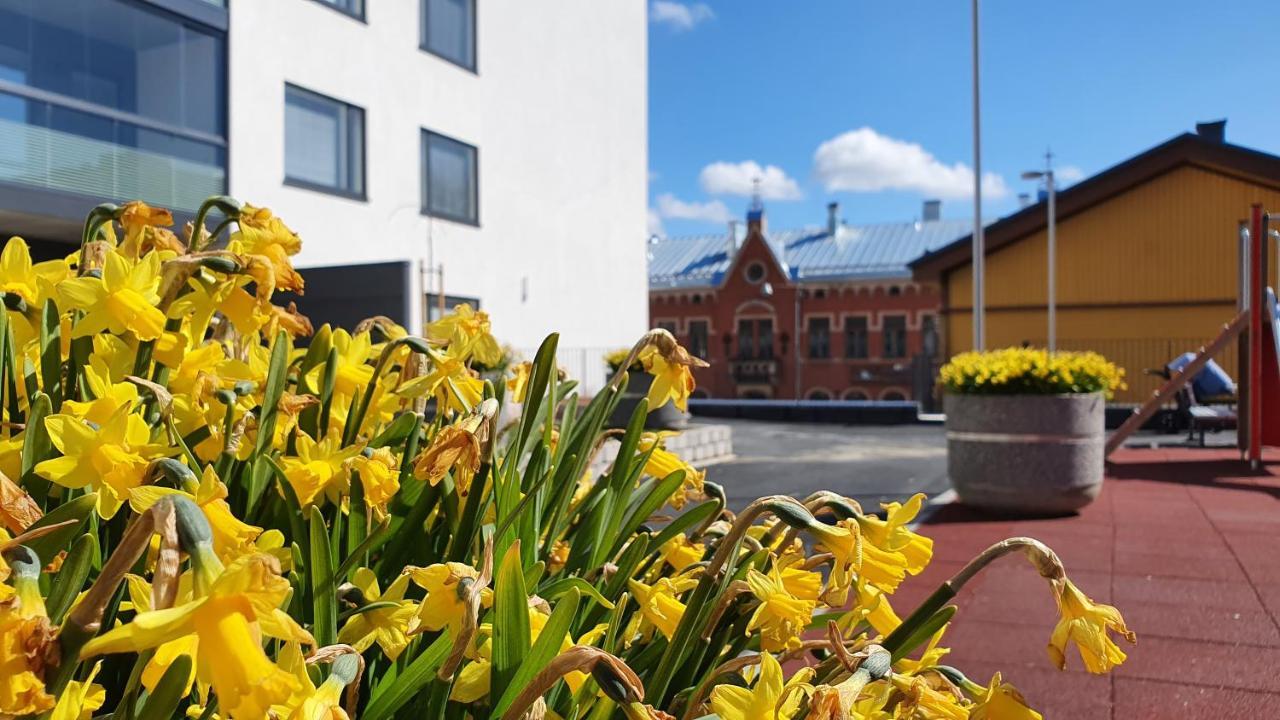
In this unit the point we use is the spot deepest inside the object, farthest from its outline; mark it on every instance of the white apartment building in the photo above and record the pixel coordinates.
(484, 150)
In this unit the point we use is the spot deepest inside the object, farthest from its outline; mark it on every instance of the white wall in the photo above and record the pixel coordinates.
(557, 109)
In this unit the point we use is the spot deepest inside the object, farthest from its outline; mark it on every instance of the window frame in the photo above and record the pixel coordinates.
(811, 337)
(884, 337)
(705, 324)
(425, 179)
(363, 194)
(361, 17)
(474, 67)
(848, 335)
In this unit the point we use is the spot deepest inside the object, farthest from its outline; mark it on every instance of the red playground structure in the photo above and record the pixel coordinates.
(1256, 322)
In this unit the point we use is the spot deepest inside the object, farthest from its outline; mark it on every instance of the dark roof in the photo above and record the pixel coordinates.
(805, 254)
(1186, 149)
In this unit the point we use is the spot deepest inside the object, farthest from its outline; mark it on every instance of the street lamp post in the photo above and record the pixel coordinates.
(1052, 290)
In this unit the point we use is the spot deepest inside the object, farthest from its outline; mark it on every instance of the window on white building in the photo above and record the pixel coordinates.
(449, 185)
(323, 143)
(449, 30)
(354, 8)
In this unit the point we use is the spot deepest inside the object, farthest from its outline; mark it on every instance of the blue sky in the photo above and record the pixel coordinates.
(868, 102)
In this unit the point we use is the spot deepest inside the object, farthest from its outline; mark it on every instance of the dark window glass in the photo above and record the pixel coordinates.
(698, 338)
(755, 339)
(119, 54)
(354, 8)
(668, 325)
(929, 336)
(855, 338)
(323, 142)
(764, 339)
(449, 179)
(819, 337)
(895, 336)
(449, 30)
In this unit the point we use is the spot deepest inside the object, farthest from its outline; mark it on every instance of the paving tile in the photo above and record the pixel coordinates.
(1133, 589)
(1213, 624)
(1220, 565)
(1270, 598)
(1153, 700)
(1211, 664)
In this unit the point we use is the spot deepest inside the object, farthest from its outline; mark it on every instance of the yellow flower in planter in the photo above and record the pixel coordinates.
(379, 478)
(1086, 624)
(679, 552)
(123, 300)
(386, 626)
(443, 606)
(109, 397)
(662, 462)
(770, 698)
(111, 459)
(242, 604)
(455, 387)
(893, 533)
(468, 333)
(659, 606)
(781, 616)
(518, 383)
(1002, 701)
(873, 606)
(319, 468)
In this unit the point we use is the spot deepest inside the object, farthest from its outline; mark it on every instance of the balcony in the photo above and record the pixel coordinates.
(756, 372)
(55, 160)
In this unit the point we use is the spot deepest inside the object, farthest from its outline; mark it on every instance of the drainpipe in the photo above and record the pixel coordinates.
(796, 345)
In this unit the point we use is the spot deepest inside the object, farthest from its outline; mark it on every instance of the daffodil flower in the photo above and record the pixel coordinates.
(454, 386)
(109, 397)
(679, 552)
(662, 462)
(111, 459)
(769, 699)
(920, 700)
(379, 478)
(320, 468)
(79, 699)
(518, 383)
(123, 300)
(386, 626)
(1002, 701)
(1087, 624)
(932, 655)
(443, 606)
(25, 636)
(242, 604)
(780, 616)
(894, 535)
(232, 537)
(468, 333)
(454, 448)
(264, 235)
(659, 606)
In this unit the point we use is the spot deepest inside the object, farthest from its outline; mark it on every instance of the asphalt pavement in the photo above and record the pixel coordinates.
(871, 464)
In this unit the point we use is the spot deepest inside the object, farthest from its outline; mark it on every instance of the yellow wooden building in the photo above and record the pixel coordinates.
(1147, 258)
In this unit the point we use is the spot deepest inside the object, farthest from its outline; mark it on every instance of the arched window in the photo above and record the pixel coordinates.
(699, 394)
(895, 395)
(818, 394)
(855, 394)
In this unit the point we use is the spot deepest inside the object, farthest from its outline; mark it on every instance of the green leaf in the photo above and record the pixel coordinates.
(36, 446)
(555, 589)
(658, 494)
(544, 364)
(51, 353)
(397, 432)
(921, 634)
(543, 651)
(162, 703)
(69, 580)
(389, 698)
(50, 545)
(694, 516)
(277, 371)
(510, 619)
(323, 589)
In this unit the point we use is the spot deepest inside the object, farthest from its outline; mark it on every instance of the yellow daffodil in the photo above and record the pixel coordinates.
(111, 459)
(17, 274)
(769, 699)
(672, 382)
(872, 606)
(932, 655)
(659, 606)
(518, 383)
(894, 535)
(266, 236)
(80, 699)
(165, 654)
(109, 397)
(386, 626)
(844, 542)
(920, 700)
(123, 300)
(320, 468)
(781, 616)
(662, 462)
(1086, 624)
(455, 448)
(679, 552)
(1002, 701)
(443, 606)
(454, 386)
(231, 536)
(145, 230)
(379, 478)
(467, 332)
(241, 605)
(25, 639)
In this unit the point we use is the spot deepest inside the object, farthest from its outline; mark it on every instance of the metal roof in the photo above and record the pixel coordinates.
(806, 254)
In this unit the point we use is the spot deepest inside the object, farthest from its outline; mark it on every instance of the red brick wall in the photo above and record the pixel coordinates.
(837, 375)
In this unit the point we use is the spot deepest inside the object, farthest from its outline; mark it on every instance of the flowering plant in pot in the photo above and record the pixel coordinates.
(1025, 427)
(200, 518)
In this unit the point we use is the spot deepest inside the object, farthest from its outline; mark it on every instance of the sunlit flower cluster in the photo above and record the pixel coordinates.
(1031, 371)
(211, 509)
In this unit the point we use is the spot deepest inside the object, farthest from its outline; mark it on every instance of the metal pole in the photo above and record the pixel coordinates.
(796, 343)
(1256, 244)
(979, 259)
(1053, 286)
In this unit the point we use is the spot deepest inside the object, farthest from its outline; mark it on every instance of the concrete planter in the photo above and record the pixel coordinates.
(1034, 454)
(667, 417)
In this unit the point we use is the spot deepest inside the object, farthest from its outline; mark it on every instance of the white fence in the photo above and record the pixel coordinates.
(585, 365)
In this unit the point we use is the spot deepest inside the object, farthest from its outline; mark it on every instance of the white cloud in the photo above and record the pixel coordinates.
(725, 178)
(669, 206)
(1068, 174)
(679, 16)
(655, 223)
(863, 160)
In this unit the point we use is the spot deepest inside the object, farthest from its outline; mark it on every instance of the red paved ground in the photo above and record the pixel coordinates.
(1185, 542)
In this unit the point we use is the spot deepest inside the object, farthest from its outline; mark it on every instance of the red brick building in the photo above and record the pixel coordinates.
(817, 313)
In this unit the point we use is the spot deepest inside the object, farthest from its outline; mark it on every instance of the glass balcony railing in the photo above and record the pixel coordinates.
(46, 158)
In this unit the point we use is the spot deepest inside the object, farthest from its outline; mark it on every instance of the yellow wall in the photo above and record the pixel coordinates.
(1141, 277)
